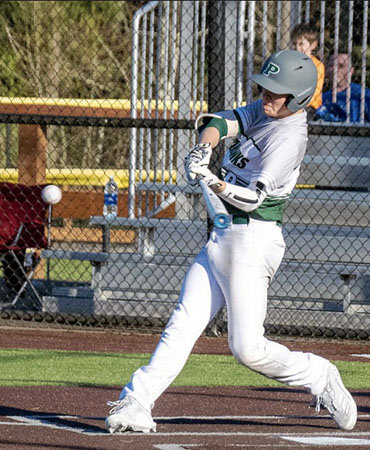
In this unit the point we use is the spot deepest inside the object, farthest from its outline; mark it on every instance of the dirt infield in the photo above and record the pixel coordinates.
(188, 418)
(130, 342)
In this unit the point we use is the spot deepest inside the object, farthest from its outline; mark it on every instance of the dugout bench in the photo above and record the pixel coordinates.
(325, 268)
(133, 284)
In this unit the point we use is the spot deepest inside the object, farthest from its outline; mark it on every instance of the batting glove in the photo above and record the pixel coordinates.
(199, 156)
(203, 173)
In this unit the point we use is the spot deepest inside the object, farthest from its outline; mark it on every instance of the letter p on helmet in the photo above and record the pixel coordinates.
(271, 69)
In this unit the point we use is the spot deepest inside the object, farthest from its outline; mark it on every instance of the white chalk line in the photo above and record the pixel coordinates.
(170, 418)
(361, 355)
(50, 421)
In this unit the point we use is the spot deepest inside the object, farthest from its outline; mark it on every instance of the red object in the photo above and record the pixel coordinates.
(21, 204)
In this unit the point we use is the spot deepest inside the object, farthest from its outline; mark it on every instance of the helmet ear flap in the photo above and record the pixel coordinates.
(291, 104)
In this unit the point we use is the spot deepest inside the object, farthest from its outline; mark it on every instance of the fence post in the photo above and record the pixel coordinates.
(184, 205)
(216, 55)
(216, 65)
(32, 149)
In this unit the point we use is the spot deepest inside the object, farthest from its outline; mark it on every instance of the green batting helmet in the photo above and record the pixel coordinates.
(289, 72)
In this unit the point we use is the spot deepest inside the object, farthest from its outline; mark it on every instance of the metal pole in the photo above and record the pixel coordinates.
(350, 36)
(216, 52)
(336, 47)
(363, 62)
(240, 53)
(322, 30)
(134, 98)
(250, 49)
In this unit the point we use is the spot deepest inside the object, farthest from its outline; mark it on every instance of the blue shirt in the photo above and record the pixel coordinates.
(336, 112)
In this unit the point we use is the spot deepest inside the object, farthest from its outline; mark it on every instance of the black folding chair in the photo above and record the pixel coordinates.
(22, 236)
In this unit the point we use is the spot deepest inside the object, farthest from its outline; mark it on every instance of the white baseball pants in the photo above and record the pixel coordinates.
(234, 268)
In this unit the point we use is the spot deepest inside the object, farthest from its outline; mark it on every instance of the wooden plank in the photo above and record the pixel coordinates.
(92, 235)
(87, 202)
(32, 152)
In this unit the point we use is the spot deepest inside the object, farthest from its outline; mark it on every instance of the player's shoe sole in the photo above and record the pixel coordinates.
(128, 415)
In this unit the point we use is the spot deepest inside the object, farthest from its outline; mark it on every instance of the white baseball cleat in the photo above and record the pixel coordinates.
(128, 415)
(338, 401)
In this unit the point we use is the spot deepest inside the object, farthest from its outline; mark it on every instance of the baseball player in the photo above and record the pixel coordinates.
(234, 268)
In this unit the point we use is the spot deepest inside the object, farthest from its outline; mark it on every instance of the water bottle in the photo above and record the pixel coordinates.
(110, 199)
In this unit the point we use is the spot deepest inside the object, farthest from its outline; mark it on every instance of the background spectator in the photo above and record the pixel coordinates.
(336, 110)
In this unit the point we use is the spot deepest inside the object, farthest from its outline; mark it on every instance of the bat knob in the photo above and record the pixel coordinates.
(222, 220)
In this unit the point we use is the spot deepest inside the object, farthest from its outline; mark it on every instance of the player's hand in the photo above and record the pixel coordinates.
(198, 157)
(203, 173)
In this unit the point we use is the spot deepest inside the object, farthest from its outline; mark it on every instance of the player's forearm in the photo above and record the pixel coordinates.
(243, 198)
(211, 135)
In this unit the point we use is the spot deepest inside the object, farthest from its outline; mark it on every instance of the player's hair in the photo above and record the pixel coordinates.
(305, 30)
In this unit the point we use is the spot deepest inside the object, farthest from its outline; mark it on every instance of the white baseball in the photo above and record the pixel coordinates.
(51, 194)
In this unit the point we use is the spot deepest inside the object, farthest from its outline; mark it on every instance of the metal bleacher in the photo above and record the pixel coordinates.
(325, 274)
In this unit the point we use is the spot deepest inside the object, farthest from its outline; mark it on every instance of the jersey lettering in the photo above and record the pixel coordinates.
(236, 157)
(230, 178)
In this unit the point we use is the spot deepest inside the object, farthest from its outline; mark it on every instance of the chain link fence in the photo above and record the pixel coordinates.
(94, 89)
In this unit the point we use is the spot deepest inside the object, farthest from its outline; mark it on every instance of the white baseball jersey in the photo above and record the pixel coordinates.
(268, 152)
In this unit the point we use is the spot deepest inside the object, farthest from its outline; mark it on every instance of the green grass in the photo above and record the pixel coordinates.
(70, 270)
(23, 367)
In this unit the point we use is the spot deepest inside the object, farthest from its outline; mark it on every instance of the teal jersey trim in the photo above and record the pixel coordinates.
(271, 209)
(239, 119)
(220, 124)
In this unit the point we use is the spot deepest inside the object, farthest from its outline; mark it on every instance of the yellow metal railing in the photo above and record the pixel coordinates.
(91, 177)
